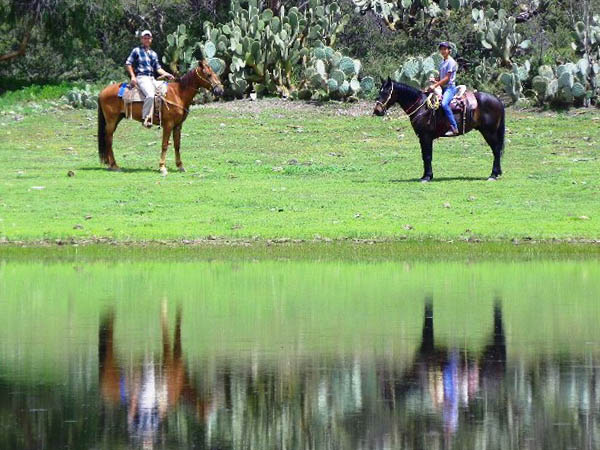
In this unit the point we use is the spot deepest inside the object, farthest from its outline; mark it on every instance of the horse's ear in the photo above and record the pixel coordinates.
(382, 81)
(389, 79)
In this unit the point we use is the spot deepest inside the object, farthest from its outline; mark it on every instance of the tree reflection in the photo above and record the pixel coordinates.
(435, 396)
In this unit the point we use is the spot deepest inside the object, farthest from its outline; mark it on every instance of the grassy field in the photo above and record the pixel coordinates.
(290, 170)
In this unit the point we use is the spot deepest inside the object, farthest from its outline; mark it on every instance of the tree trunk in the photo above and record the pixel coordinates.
(275, 5)
(20, 51)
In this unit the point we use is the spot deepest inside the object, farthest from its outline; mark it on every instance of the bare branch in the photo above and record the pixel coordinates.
(20, 51)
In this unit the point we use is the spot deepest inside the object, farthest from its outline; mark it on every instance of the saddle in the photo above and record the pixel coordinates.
(463, 103)
(131, 95)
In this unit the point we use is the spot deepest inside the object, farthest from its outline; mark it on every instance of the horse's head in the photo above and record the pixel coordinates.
(208, 78)
(385, 99)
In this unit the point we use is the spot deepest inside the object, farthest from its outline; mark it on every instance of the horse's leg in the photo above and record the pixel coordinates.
(427, 155)
(110, 130)
(165, 144)
(177, 144)
(495, 141)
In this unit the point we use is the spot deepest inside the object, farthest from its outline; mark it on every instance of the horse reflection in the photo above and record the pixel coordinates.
(148, 391)
(449, 378)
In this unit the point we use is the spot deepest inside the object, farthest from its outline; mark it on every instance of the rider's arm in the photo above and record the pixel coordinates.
(442, 82)
(158, 69)
(129, 66)
(162, 71)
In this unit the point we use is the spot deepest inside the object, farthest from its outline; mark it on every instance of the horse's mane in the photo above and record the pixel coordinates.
(405, 91)
(185, 80)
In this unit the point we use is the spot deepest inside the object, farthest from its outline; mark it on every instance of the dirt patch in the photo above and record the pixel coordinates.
(332, 108)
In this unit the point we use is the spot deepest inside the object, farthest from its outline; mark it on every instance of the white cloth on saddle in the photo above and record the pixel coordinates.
(136, 95)
(460, 91)
(147, 89)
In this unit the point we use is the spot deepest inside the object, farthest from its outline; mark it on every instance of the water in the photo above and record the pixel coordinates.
(299, 354)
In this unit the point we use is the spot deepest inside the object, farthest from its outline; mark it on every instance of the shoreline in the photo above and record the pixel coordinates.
(363, 250)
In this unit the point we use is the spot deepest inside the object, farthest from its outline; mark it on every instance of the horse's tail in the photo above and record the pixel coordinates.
(102, 153)
(501, 131)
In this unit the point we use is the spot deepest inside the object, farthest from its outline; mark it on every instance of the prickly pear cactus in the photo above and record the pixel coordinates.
(497, 33)
(567, 85)
(86, 98)
(179, 54)
(587, 45)
(512, 81)
(416, 72)
(330, 75)
(407, 13)
(259, 50)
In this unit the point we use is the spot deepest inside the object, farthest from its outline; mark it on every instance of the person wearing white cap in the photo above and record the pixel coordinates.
(142, 64)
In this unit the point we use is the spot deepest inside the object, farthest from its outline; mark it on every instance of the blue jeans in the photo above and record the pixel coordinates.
(449, 93)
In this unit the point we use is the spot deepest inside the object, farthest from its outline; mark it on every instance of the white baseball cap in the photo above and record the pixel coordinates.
(146, 33)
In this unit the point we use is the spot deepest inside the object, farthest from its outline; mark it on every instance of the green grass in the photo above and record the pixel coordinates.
(268, 171)
(34, 93)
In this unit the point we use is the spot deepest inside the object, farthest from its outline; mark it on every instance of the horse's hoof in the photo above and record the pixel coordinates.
(181, 169)
(163, 171)
(492, 178)
(114, 169)
(426, 179)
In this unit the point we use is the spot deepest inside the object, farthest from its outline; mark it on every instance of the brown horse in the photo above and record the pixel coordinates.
(174, 111)
(130, 385)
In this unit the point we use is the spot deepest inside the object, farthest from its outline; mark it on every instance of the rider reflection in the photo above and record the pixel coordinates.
(150, 390)
(451, 378)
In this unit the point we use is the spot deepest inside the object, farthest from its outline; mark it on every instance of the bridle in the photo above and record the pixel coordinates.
(206, 80)
(201, 78)
(385, 104)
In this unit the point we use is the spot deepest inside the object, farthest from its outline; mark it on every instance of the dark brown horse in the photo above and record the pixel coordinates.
(487, 118)
(178, 100)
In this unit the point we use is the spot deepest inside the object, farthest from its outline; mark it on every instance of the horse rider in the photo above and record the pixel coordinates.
(446, 80)
(142, 64)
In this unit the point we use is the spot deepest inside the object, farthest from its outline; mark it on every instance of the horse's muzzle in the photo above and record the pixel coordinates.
(379, 111)
(218, 90)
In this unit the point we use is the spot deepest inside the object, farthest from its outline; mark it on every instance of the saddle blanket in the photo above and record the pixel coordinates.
(129, 94)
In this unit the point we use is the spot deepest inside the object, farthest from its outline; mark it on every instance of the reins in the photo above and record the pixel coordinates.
(201, 78)
(432, 101)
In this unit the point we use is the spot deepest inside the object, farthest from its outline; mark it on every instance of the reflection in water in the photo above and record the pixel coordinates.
(445, 398)
(149, 390)
(447, 378)
(442, 397)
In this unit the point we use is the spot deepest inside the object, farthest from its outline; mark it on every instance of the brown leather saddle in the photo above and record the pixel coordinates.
(463, 103)
(131, 95)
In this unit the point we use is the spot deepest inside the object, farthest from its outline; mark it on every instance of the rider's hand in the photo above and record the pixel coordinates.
(170, 76)
(133, 81)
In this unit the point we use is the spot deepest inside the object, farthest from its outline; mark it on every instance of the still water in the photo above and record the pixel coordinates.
(112, 353)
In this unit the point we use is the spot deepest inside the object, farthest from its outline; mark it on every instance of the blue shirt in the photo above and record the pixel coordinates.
(144, 62)
(448, 66)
